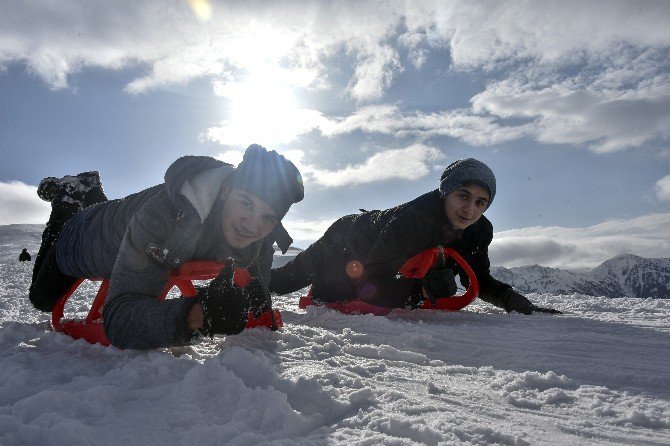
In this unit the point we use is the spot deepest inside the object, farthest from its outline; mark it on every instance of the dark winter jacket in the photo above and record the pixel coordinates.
(137, 240)
(382, 241)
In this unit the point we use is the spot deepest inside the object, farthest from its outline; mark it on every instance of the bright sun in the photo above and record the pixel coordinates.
(263, 109)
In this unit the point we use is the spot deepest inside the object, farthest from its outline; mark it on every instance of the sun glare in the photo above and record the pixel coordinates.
(263, 109)
(202, 9)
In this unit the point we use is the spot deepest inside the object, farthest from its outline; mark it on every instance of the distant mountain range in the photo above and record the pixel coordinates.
(622, 276)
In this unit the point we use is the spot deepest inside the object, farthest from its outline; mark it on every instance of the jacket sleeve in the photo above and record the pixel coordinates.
(490, 289)
(133, 317)
(406, 234)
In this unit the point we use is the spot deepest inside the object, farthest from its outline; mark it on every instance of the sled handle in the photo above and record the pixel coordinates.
(426, 261)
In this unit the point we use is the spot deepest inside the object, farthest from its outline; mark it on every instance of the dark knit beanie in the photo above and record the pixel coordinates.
(270, 177)
(467, 170)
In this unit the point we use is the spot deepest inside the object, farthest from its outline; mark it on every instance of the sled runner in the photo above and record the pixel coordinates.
(91, 329)
(414, 268)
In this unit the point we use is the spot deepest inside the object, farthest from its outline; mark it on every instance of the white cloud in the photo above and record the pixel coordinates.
(592, 73)
(374, 73)
(663, 188)
(461, 124)
(305, 232)
(177, 45)
(582, 248)
(410, 163)
(497, 34)
(19, 204)
(604, 120)
(233, 157)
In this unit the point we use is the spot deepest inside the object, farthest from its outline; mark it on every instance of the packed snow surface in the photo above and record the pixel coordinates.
(599, 374)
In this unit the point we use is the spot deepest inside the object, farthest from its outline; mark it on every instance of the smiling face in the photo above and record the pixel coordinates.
(465, 204)
(245, 218)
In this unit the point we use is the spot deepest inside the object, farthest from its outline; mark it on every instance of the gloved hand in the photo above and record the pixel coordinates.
(258, 297)
(439, 282)
(225, 306)
(513, 301)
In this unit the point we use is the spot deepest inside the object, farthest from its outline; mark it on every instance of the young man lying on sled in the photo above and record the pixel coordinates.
(359, 256)
(205, 210)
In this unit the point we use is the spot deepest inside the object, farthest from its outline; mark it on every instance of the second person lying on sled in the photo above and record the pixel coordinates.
(359, 256)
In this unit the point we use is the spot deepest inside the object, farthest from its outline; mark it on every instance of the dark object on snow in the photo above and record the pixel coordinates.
(537, 309)
(513, 301)
(24, 256)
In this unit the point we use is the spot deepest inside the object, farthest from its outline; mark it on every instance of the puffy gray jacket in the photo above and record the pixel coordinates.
(137, 240)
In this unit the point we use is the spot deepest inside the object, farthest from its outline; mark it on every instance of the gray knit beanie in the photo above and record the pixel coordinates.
(467, 170)
(270, 177)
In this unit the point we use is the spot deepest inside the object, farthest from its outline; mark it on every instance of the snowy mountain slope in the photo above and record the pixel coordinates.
(622, 276)
(596, 375)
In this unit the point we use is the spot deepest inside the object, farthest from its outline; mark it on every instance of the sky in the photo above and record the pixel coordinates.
(568, 103)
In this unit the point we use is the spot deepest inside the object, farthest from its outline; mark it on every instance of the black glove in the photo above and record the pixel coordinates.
(439, 282)
(225, 306)
(513, 301)
(258, 297)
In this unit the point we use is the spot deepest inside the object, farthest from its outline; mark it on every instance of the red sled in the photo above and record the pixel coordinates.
(91, 328)
(414, 268)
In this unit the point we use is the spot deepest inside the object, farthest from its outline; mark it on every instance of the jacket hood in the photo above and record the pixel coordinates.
(194, 182)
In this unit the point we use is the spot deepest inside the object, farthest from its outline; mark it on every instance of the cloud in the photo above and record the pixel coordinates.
(493, 35)
(582, 248)
(593, 74)
(374, 73)
(233, 157)
(19, 204)
(663, 188)
(305, 232)
(461, 124)
(177, 43)
(410, 163)
(602, 119)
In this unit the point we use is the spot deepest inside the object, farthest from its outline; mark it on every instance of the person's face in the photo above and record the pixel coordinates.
(465, 205)
(245, 218)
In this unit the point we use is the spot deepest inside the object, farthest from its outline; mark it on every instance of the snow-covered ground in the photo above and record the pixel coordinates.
(600, 374)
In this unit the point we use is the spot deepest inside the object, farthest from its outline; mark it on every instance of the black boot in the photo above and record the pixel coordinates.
(76, 192)
(68, 195)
